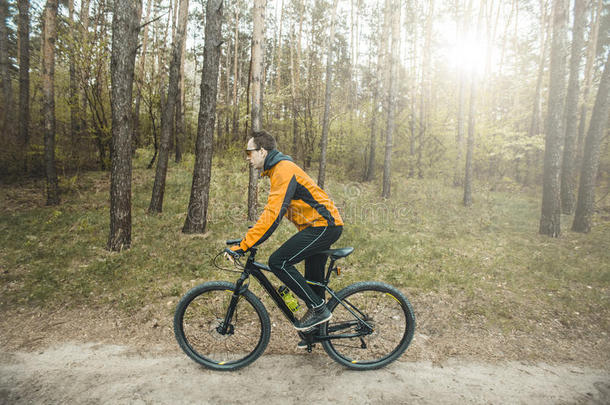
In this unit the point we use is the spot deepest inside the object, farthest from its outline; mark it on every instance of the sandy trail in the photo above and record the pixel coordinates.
(96, 373)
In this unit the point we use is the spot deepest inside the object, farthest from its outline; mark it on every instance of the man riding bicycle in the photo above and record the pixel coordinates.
(295, 195)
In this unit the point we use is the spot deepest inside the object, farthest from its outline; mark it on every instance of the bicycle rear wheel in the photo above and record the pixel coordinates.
(379, 306)
(198, 320)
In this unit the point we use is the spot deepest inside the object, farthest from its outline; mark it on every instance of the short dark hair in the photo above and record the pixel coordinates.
(263, 139)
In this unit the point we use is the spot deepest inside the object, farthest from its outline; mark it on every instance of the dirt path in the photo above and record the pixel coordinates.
(99, 373)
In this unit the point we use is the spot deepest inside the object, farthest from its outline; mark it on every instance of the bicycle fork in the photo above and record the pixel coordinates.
(225, 327)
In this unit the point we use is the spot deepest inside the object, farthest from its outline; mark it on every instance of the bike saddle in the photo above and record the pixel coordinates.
(338, 253)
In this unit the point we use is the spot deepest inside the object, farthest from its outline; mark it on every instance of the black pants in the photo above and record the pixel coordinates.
(305, 245)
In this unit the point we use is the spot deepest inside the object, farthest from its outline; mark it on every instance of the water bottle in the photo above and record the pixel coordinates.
(289, 298)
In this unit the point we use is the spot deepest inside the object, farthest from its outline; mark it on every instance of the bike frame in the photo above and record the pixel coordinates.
(253, 268)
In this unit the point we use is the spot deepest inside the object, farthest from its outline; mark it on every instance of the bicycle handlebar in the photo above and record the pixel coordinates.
(232, 242)
(232, 253)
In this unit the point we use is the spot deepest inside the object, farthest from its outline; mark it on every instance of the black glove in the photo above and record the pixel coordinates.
(236, 254)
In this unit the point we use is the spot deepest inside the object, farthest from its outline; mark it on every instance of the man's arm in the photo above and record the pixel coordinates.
(283, 187)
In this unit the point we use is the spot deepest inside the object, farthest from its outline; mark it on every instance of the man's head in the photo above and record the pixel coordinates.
(258, 147)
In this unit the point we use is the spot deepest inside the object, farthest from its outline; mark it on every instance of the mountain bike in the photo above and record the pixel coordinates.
(225, 326)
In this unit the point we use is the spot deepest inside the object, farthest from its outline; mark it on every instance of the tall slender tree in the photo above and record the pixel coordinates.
(235, 102)
(84, 43)
(48, 92)
(568, 170)
(459, 139)
(391, 94)
(325, 119)
(168, 113)
(426, 84)
(179, 119)
(73, 100)
(384, 68)
(6, 110)
(536, 118)
(125, 29)
(140, 79)
(295, 79)
(370, 167)
(196, 220)
(585, 205)
(413, 85)
(258, 39)
(588, 74)
(24, 77)
(278, 58)
(550, 217)
(469, 172)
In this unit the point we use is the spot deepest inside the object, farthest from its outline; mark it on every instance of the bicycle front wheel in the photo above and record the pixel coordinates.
(374, 328)
(199, 319)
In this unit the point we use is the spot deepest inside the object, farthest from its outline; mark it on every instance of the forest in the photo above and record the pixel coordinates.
(465, 142)
(505, 93)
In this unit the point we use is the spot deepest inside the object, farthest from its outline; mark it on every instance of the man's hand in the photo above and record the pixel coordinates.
(237, 252)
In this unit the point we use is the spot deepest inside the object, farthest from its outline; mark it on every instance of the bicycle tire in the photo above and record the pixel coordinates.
(386, 309)
(201, 311)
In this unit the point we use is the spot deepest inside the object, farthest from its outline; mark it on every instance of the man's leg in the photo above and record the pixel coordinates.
(314, 271)
(304, 244)
(294, 250)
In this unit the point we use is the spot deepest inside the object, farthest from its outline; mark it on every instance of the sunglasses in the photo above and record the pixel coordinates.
(249, 151)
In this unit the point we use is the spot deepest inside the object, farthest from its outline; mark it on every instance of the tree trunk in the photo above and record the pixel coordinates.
(295, 126)
(370, 168)
(168, 113)
(125, 29)
(95, 86)
(591, 54)
(236, 77)
(248, 93)
(325, 119)
(162, 65)
(228, 98)
(534, 128)
(73, 100)
(369, 174)
(295, 83)
(297, 105)
(24, 77)
(179, 118)
(459, 139)
(468, 170)
(585, 205)
(278, 76)
(413, 117)
(136, 142)
(391, 103)
(84, 38)
(384, 65)
(258, 39)
(568, 170)
(48, 91)
(425, 93)
(6, 109)
(196, 219)
(551, 204)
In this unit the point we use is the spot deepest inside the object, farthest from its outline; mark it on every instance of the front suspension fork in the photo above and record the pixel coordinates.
(240, 288)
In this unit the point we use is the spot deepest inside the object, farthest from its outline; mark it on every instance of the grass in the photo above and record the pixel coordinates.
(483, 266)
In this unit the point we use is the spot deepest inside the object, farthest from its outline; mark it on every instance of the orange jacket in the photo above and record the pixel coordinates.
(293, 194)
